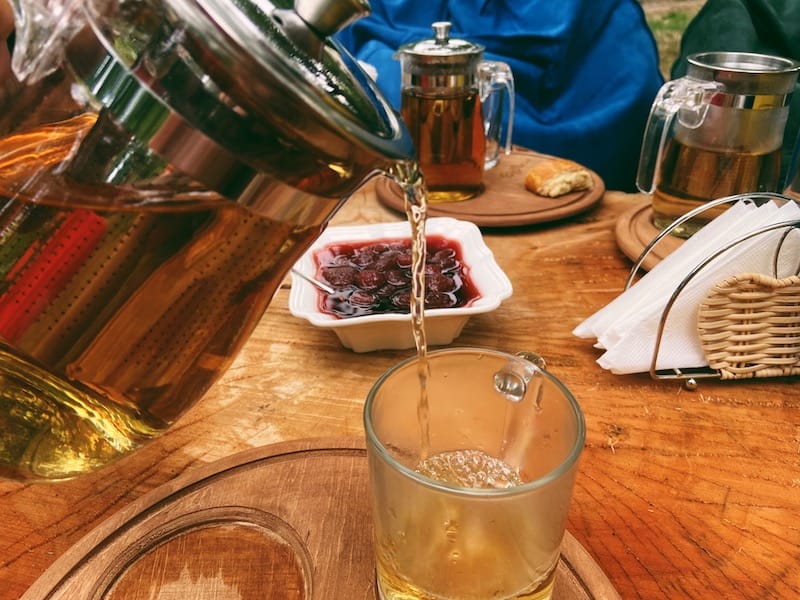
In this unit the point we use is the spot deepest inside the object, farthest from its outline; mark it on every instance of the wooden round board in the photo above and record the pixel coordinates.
(634, 230)
(505, 202)
(290, 520)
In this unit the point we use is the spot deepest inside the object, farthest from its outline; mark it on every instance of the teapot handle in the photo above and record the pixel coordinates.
(687, 95)
(43, 28)
(494, 77)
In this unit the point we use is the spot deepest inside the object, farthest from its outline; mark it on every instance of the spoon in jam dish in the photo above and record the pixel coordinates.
(324, 287)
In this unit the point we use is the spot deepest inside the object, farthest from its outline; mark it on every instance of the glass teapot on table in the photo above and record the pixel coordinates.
(715, 132)
(452, 101)
(163, 163)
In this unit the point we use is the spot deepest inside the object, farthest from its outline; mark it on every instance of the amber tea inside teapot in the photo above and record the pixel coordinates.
(162, 166)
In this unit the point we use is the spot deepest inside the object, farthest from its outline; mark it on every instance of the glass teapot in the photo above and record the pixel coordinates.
(716, 132)
(453, 101)
(163, 163)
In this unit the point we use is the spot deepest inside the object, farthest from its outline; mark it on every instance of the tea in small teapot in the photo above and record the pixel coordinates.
(452, 102)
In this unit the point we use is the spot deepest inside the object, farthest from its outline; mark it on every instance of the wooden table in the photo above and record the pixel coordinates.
(680, 494)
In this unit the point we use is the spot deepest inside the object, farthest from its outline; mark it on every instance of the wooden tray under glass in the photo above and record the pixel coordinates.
(290, 520)
(504, 202)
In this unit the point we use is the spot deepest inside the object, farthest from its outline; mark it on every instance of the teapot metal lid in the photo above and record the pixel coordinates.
(441, 61)
(747, 74)
(228, 89)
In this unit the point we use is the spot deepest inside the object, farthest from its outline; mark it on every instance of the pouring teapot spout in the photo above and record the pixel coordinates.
(311, 22)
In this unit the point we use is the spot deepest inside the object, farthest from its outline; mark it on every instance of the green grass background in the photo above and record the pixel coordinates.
(667, 21)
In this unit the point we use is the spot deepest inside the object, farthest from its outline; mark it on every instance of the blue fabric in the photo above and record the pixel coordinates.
(585, 71)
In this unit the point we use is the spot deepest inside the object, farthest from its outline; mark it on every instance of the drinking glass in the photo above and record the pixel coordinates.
(471, 475)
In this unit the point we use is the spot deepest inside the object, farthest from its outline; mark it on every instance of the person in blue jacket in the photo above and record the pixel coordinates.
(585, 71)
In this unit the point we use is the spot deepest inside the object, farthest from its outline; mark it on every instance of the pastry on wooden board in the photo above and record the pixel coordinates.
(554, 177)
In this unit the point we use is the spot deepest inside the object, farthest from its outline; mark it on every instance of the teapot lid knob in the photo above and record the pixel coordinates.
(327, 17)
(441, 31)
(441, 48)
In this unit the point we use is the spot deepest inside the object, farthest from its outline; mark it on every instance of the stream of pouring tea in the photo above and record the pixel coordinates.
(409, 177)
(470, 468)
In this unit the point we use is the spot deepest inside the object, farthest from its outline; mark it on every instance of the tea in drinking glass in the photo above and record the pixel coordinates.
(470, 490)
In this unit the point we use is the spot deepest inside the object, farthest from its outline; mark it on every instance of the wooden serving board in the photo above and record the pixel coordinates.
(504, 202)
(290, 520)
(634, 230)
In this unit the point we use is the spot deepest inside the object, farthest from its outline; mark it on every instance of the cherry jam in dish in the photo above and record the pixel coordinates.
(374, 277)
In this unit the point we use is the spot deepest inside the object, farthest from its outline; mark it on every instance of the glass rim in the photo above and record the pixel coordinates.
(564, 466)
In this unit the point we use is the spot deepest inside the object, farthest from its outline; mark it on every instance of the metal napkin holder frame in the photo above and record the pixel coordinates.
(690, 375)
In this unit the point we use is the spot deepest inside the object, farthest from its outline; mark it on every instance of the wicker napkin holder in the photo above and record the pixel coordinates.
(748, 324)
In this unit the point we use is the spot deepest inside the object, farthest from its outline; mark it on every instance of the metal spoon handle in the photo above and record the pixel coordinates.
(317, 284)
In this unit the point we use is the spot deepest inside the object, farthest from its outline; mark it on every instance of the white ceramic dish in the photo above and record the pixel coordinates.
(392, 331)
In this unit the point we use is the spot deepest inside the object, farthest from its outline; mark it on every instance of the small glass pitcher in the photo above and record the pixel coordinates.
(452, 102)
(716, 132)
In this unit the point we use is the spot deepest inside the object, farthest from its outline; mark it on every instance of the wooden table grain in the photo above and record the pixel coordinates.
(680, 494)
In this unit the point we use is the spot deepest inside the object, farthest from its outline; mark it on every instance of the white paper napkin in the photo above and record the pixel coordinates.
(627, 328)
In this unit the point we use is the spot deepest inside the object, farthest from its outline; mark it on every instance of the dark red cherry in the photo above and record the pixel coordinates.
(439, 300)
(439, 283)
(369, 279)
(361, 298)
(339, 276)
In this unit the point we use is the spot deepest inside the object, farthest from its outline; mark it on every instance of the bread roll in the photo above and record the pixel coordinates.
(557, 176)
